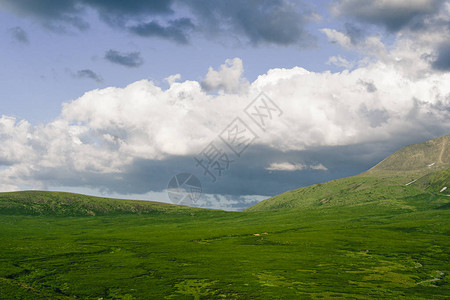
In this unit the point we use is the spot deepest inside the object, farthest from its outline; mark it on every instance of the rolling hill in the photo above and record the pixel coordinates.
(69, 204)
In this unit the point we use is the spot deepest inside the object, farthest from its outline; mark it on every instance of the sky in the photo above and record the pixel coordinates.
(253, 98)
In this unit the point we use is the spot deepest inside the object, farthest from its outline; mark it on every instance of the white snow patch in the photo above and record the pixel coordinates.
(411, 182)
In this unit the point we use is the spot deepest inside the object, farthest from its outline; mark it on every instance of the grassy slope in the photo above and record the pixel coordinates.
(431, 155)
(69, 204)
(360, 237)
(387, 180)
(376, 250)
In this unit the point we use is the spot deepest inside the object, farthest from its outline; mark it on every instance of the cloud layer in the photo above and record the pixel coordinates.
(272, 22)
(393, 15)
(133, 139)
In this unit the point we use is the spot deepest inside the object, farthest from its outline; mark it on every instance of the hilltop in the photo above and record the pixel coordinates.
(416, 159)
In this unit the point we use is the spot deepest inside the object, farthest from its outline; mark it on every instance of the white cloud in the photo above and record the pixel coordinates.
(371, 45)
(228, 78)
(286, 166)
(104, 131)
(173, 78)
(290, 167)
(319, 167)
(9, 188)
(340, 62)
(420, 27)
(338, 37)
(14, 146)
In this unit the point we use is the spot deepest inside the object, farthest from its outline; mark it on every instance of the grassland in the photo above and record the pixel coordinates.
(363, 237)
(381, 248)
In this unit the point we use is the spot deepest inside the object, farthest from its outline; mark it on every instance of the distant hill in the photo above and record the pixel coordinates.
(410, 172)
(69, 204)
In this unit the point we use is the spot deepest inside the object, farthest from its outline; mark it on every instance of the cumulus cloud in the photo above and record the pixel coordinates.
(371, 45)
(14, 136)
(228, 78)
(132, 139)
(131, 59)
(415, 55)
(422, 31)
(338, 37)
(172, 78)
(370, 87)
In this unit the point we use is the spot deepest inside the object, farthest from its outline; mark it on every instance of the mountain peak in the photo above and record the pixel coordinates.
(426, 157)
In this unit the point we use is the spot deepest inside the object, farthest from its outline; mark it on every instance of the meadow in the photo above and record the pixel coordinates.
(367, 250)
(381, 234)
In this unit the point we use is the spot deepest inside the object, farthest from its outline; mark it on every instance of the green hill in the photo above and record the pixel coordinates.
(413, 170)
(69, 204)
(419, 158)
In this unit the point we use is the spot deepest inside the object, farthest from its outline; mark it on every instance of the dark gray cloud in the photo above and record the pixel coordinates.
(176, 30)
(442, 62)
(86, 73)
(120, 8)
(19, 35)
(257, 21)
(246, 176)
(131, 59)
(57, 14)
(393, 15)
(261, 21)
(54, 15)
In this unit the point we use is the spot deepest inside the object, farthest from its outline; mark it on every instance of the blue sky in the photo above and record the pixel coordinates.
(49, 59)
(86, 105)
